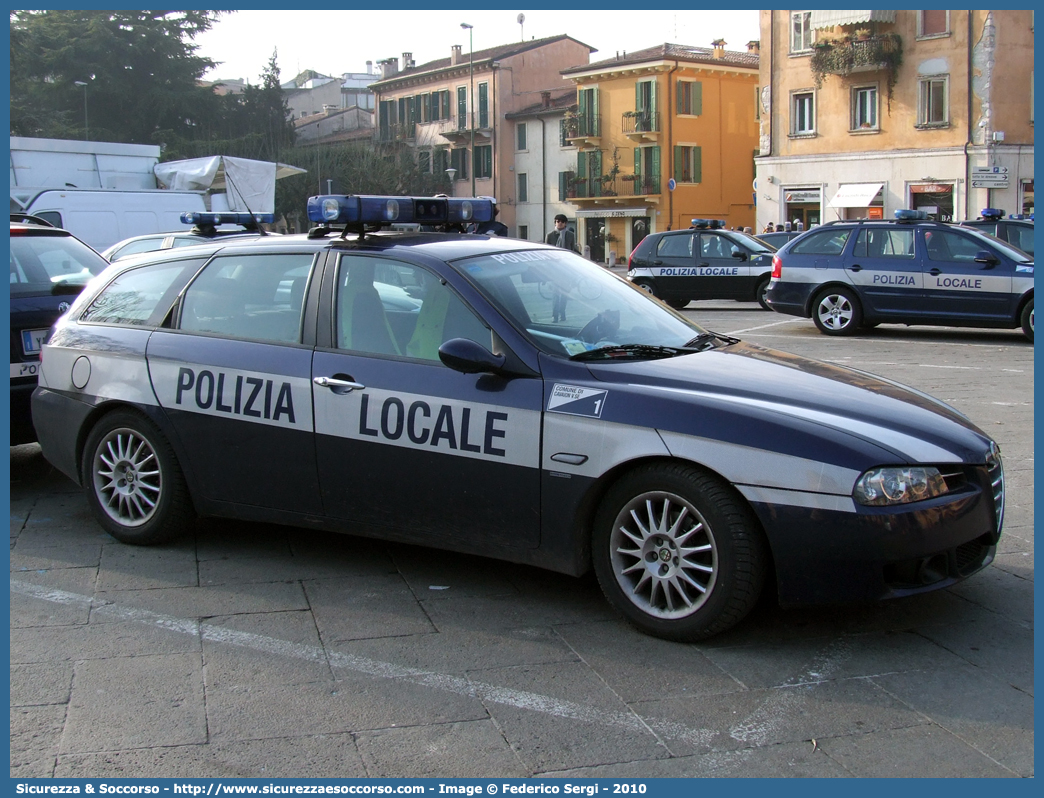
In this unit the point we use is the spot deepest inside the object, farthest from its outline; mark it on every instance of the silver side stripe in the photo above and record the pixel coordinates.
(793, 498)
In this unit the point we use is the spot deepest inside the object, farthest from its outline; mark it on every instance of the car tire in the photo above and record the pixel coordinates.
(647, 286)
(133, 482)
(761, 292)
(677, 552)
(1027, 320)
(836, 311)
(678, 304)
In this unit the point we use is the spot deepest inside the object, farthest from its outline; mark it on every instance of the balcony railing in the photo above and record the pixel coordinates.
(844, 56)
(640, 122)
(406, 131)
(583, 127)
(641, 185)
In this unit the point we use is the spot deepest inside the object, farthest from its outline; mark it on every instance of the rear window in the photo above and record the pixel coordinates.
(822, 242)
(51, 264)
(136, 297)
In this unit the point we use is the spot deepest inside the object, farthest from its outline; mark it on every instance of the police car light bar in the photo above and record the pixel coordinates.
(911, 216)
(708, 224)
(381, 211)
(214, 219)
(991, 213)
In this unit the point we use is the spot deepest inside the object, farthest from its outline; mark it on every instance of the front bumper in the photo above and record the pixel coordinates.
(829, 556)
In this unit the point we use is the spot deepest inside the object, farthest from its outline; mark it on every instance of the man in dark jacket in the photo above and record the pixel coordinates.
(492, 227)
(562, 236)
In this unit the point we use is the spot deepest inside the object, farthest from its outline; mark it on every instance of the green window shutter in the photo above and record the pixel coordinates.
(697, 164)
(655, 163)
(583, 102)
(596, 172)
(483, 105)
(681, 102)
(679, 155)
(562, 186)
(637, 96)
(637, 160)
(697, 98)
(652, 98)
(581, 164)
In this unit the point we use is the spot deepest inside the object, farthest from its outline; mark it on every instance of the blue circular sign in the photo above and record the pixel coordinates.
(672, 184)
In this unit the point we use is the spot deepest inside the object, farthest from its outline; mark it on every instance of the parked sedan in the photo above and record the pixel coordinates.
(274, 380)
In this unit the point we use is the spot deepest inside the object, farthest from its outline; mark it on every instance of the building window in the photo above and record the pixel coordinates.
(688, 164)
(801, 33)
(690, 97)
(484, 161)
(566, 186)
(802, 114)
(864, 108)
(440, 161)
(932, 102)
(520, 136)
(933, 23)
(459, 161)
(462, 108)
(564, 131)
(523, 187)
(424, 161)
(523, 232)
(483, 105)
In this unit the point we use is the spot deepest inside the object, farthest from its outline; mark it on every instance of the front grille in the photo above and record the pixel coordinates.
(969, 556)
(995, 471)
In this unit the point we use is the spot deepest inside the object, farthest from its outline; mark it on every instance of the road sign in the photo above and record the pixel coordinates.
(672, 184)
(989, 177)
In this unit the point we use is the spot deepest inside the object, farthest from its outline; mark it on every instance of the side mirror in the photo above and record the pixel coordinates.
(986, 257)
(468, 357)
(738, 254)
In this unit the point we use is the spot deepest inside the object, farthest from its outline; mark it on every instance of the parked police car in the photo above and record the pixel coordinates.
(49, 267)
(703, 262)
(1017, 230)
(847, 275)
(286, 380)
(205, 227)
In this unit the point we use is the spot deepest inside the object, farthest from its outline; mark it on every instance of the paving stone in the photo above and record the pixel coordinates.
(510, 612)
(36, 733)
(37, 683)
(375, 605)
(148, 567)
(207, 601)
(440, 574)
(604, 731)
(976, 706)
(136, 702)
(916, 752)
(28, 612)
(98, 641)
(470, 750)
(32, 554)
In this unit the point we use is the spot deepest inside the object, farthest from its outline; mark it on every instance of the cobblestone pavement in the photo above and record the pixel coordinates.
(254, 650)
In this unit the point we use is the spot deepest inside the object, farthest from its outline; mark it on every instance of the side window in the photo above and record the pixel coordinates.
(827, 242)
(714, 246)
(877, 242)
(675, 246)
(946, 245)
(135, 298)
(1021, 237)
(258, 297)
(137, 247)
(387, 307)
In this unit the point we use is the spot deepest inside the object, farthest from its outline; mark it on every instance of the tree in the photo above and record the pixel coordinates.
(141, 70)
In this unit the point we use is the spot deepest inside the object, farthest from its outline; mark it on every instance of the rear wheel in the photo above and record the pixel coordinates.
(1027, 320)
(836, 311)
(647, 286)
(677, 553)
(133, 482)
(761, 293)
(678, 304)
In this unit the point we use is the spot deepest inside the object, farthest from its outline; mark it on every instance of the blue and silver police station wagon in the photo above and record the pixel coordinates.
(858, 274)
(704, 262)
(416, 387)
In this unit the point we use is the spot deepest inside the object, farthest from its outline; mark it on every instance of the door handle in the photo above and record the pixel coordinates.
(856, 267)
(935, 272)
(657, 263)
(704, 264)
(338, 386)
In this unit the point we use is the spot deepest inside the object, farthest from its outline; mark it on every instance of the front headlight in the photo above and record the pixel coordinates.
(899, 485)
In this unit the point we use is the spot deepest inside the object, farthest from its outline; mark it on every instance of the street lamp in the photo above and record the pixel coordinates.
(85, 128)
(452, 173)
(471, 66)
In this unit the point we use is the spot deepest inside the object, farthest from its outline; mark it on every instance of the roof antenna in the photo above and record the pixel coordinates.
(522, 31)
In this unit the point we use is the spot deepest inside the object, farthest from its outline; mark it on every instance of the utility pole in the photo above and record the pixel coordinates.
(471, 65)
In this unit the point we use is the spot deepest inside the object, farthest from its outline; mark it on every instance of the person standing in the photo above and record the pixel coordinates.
(562, 237)
(493, 227)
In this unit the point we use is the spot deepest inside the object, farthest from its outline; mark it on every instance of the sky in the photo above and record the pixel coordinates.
(334, 42)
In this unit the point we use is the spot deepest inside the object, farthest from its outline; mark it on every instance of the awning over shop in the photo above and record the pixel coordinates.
(611, 213)
(855, 195)
(830, 19)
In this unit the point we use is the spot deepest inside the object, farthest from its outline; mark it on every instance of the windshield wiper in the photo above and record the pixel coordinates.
(621, 351)
(707, 337)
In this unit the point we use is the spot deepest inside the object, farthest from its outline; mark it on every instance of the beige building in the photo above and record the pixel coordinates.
(452, 111)
(866, 112)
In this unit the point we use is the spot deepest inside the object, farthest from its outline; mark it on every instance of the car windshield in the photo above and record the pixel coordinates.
(51, 264)
(753, 243)
(570, 307)
(1014, 253)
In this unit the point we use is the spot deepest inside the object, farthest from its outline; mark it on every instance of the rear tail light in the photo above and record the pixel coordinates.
(777, 267)
(631, 258)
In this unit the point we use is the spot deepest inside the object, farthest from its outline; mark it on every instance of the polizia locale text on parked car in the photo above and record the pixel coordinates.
(415, 387)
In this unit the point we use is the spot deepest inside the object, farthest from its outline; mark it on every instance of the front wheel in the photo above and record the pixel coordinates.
(1027, 320)
(677, 553)
(761, 293)
(836, 311)
(133, 482)
(678, 304)
(647, 287)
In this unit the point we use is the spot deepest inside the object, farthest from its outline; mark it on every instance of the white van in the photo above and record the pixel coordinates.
(101, 217)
